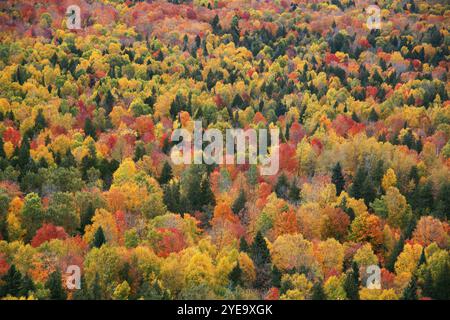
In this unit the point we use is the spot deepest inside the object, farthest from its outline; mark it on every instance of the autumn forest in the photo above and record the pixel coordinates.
(358, 209)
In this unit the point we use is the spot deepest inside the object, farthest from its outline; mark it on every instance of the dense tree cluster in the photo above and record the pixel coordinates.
(86, 177)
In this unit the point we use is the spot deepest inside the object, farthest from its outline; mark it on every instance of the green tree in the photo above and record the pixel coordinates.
(351, 284)
(54, 284)
(318, 292)
(235, 276)
(338, 178)
(166, 173)
(11, 282)
(410, 292)
(99, 238)
(32, 215)
(259, 250)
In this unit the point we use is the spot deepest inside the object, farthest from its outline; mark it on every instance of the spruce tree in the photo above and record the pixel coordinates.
(338, 178)
(11, 282)
(243, 245)
(2, 150)
(99, 238)
(166, 173)
(89, 128)
(318, 292)
(294, 192)
(26, 286)
(373, 116)
(410, 292)
(282, 187)
(54, 284)
(259, 251)
(351, 284)
(235, 276)
(441, 290)
(276, 277)
(398, 248)
(357, 188)
(86, 216)
(95, 288)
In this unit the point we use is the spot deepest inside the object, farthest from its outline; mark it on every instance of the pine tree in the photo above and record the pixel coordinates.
(109, 102)
(318, 292)
(294, 192)
(276, 277)
(441, 290)
(39, 122)
(89, 128)
(99, 238)
(95, 288)
(442, 207)
(243, 245)
(398, 248)
(26, 286)
(2, 150)
(410, 292)
(356, 189)
(54, 284)
(428, 284)
(215, 24)
(166, 173)
(259, 251)
(373, 116)
(351, 284)
(24, 154)
(235, 276)
(11, 282)
(206, 193)
(282, 187)
(338, 178)
(86, 216)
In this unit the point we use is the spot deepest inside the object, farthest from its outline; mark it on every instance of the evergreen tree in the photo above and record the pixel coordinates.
(294, 193)
(95, 288)
(108, 102)
(99, 238)
(318, 292)
(357, 187)
(86, 216)
(215, 24)
(89, 128)
(338, 178)
(276, 277)
(54, 284)
(259, 251)
(373, 116)
(235, 276)
(282, 187)
(39, 121)
(206, 193)
(351, 284)
(441, 290)
(26, 286)
(243, 245)
(428, 284)
(24, 154)
(442, 208)
(166, 173)
(2, 150)
(410, 292)
(11, 282)
(398, 248)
